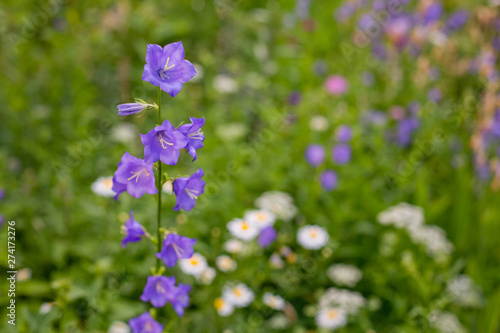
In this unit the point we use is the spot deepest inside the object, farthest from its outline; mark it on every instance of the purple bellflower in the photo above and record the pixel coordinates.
(267, 236)
(159, 290)
(136, 174)
(133, 108)
(187, 190)
(457, 20)
(315, 155)
(118, 188)
(405, 130)
(341, 154)
(176, 247)
(167, 67)
(328, 180)
(180, 299)
(134, 231)
(194, 135)
(163, 143)
(145, 324)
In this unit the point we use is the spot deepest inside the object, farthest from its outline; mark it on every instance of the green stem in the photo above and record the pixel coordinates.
(159, 188)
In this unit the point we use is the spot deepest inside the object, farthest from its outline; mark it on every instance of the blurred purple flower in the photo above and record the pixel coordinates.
(145, 324)
(194, 135)
(163, 143)
(336, 84)
(180, 299)
(328, 180)
(367, 78)
(176, 247)
(167, 67)
(341, 153)
(374, 117)
(294, 98)
(457, 20)
(2, 194)
(344, 12)
(315, 155)
(405, 130)
(136, 175)
(158, 290)
(187, 190)
(433, 13)
(344, 133)
(320, 67)
(134, 231)
(435, 95)
(267, 236)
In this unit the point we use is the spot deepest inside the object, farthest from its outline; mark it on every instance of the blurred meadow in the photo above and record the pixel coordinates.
(349, 109)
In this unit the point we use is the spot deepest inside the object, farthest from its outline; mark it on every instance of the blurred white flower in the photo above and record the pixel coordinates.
(312, 237)
(463, 291)
(223, 307)
(118, 327)
(331, 318)
(445, 322)
(346, 275)
(318, 124)
(279, 203)
(24, 274)
(207, 276)
(199, 73)
(168, 187)
(103, 186)
(349, 301)
(225, 84)
(433, 238)
(225, 263)
(274, 301)
(260, 217)
(242, 229)
(46, 307)
(125, 133)
(231, 131)
(233, 246)
(402, 215)
(260, 51)
(194, 265)
(239, 295)
(276, 261)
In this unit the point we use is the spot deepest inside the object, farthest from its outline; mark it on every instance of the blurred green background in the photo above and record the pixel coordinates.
(66, 64)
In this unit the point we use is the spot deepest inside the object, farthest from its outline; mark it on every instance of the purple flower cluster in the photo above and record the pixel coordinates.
(315, 155)
(405, 30)
(166, 68)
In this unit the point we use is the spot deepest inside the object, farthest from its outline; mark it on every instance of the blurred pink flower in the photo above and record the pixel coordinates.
(336, 84)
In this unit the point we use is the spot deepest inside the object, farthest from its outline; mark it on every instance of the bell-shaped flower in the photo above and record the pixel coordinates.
(163, 143)
(136, 175)
(187, 190)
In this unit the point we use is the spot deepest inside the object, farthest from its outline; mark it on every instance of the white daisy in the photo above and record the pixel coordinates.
(274, 301)
(225, 263)
(223, 307)
(233, 246)
(279, 203)
(260, 217)
(346, 275)
(312, 237)
(102, 186)
(331, 318)
(118, 327)
(194, 265)
(242, 229)
(207, 276)
(238, 295)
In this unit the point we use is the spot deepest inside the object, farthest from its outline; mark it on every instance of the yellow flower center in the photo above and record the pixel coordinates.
(219, 303)
(332, 314)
